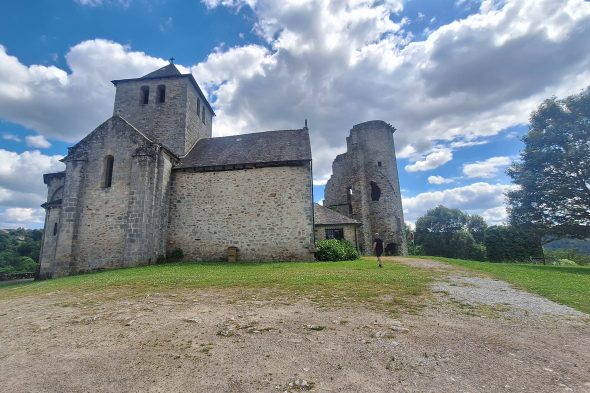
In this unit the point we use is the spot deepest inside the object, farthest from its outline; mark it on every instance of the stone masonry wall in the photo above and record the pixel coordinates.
(174, 122)
(121, 225)
(369, 169)
(349, 232)
(266, 212)
(55, 191)
(196, 126)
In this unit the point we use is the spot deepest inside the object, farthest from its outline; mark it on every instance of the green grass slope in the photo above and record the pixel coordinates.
(331, 282)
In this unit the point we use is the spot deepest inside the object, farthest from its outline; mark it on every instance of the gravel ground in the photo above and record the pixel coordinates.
(477, 290)
(239, 341)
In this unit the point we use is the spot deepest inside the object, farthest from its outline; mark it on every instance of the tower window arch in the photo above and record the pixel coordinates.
(161, 94)
(108, 172)
(375, 191)
(145, 94)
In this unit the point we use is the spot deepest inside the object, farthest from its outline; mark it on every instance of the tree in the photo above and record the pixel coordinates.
(507, 244)
(554, 170)
(450, 233)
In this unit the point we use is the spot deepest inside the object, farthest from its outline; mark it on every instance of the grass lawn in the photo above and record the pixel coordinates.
(568, 285)
(328, 282)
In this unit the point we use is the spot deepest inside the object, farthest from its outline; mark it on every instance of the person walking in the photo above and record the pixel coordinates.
(378, 248)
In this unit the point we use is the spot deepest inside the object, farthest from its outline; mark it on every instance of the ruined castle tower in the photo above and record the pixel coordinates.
(364, 186)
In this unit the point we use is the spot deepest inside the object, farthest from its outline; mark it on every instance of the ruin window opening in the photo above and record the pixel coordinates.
(335, 233)
(379, 163)
(55, 229)
(108, 172)
(161, 94)
(375, 191)
(391, 249)
(145, 94)
(349, 199)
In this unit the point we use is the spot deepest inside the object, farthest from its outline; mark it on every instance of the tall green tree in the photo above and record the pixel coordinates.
(451, 233)
(508, 244)
(554, 170)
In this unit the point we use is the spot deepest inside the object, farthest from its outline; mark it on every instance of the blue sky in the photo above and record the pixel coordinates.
(457, 78)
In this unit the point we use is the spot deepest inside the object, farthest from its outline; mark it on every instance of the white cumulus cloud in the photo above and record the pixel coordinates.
(477, 198)
(487, 168)
(433, 160)
(439, 180)
(21, 177)
(38, 141)
(17, 217)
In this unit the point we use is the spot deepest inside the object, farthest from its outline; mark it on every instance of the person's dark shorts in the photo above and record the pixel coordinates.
(378, 252)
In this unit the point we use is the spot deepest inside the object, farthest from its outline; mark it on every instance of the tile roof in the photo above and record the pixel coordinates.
(324, 216)
(270, 147)
(168, 70)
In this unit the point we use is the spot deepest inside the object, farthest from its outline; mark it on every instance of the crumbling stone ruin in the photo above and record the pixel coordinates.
(365, 187)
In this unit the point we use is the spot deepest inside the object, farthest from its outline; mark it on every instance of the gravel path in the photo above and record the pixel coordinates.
(461, 287)
(477, 290)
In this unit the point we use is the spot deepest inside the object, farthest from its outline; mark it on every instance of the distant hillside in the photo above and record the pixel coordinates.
(582, 246)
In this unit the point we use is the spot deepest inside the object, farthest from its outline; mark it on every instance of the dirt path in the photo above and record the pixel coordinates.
(208, 341)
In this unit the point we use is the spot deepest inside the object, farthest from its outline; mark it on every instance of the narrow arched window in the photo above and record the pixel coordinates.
(108, 171)
(55, 229)
(198, 106)
(145, 94)
(203, 116)
(375, 191)
(161, 93)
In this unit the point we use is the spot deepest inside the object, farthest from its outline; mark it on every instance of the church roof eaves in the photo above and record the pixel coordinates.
(190, 77)
(48, 176)
(325, 216)
(256, 149)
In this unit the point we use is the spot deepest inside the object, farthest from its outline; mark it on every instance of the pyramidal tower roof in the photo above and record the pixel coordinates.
(168, 70)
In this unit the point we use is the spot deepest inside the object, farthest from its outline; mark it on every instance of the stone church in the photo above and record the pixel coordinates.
(151, 180)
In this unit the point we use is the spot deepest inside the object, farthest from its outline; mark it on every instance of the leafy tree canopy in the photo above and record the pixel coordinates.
(554, 170)
(451, 233)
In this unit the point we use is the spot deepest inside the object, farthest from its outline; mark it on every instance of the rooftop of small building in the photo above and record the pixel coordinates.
(325, 216)
(269, 147)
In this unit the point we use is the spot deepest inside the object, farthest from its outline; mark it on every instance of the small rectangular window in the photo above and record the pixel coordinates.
(203, 114)
(145, 94)
(108, 172)
(198, 107)
(161, 94)
(378, 163)
(335, 233)
(55, 229)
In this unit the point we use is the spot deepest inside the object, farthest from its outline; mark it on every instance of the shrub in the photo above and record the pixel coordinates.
(174, 255)
(335, 250)
(416, 250)
(572, 255)
(567, 262)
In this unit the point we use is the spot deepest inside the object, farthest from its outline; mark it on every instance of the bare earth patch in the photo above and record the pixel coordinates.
(242, 341)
